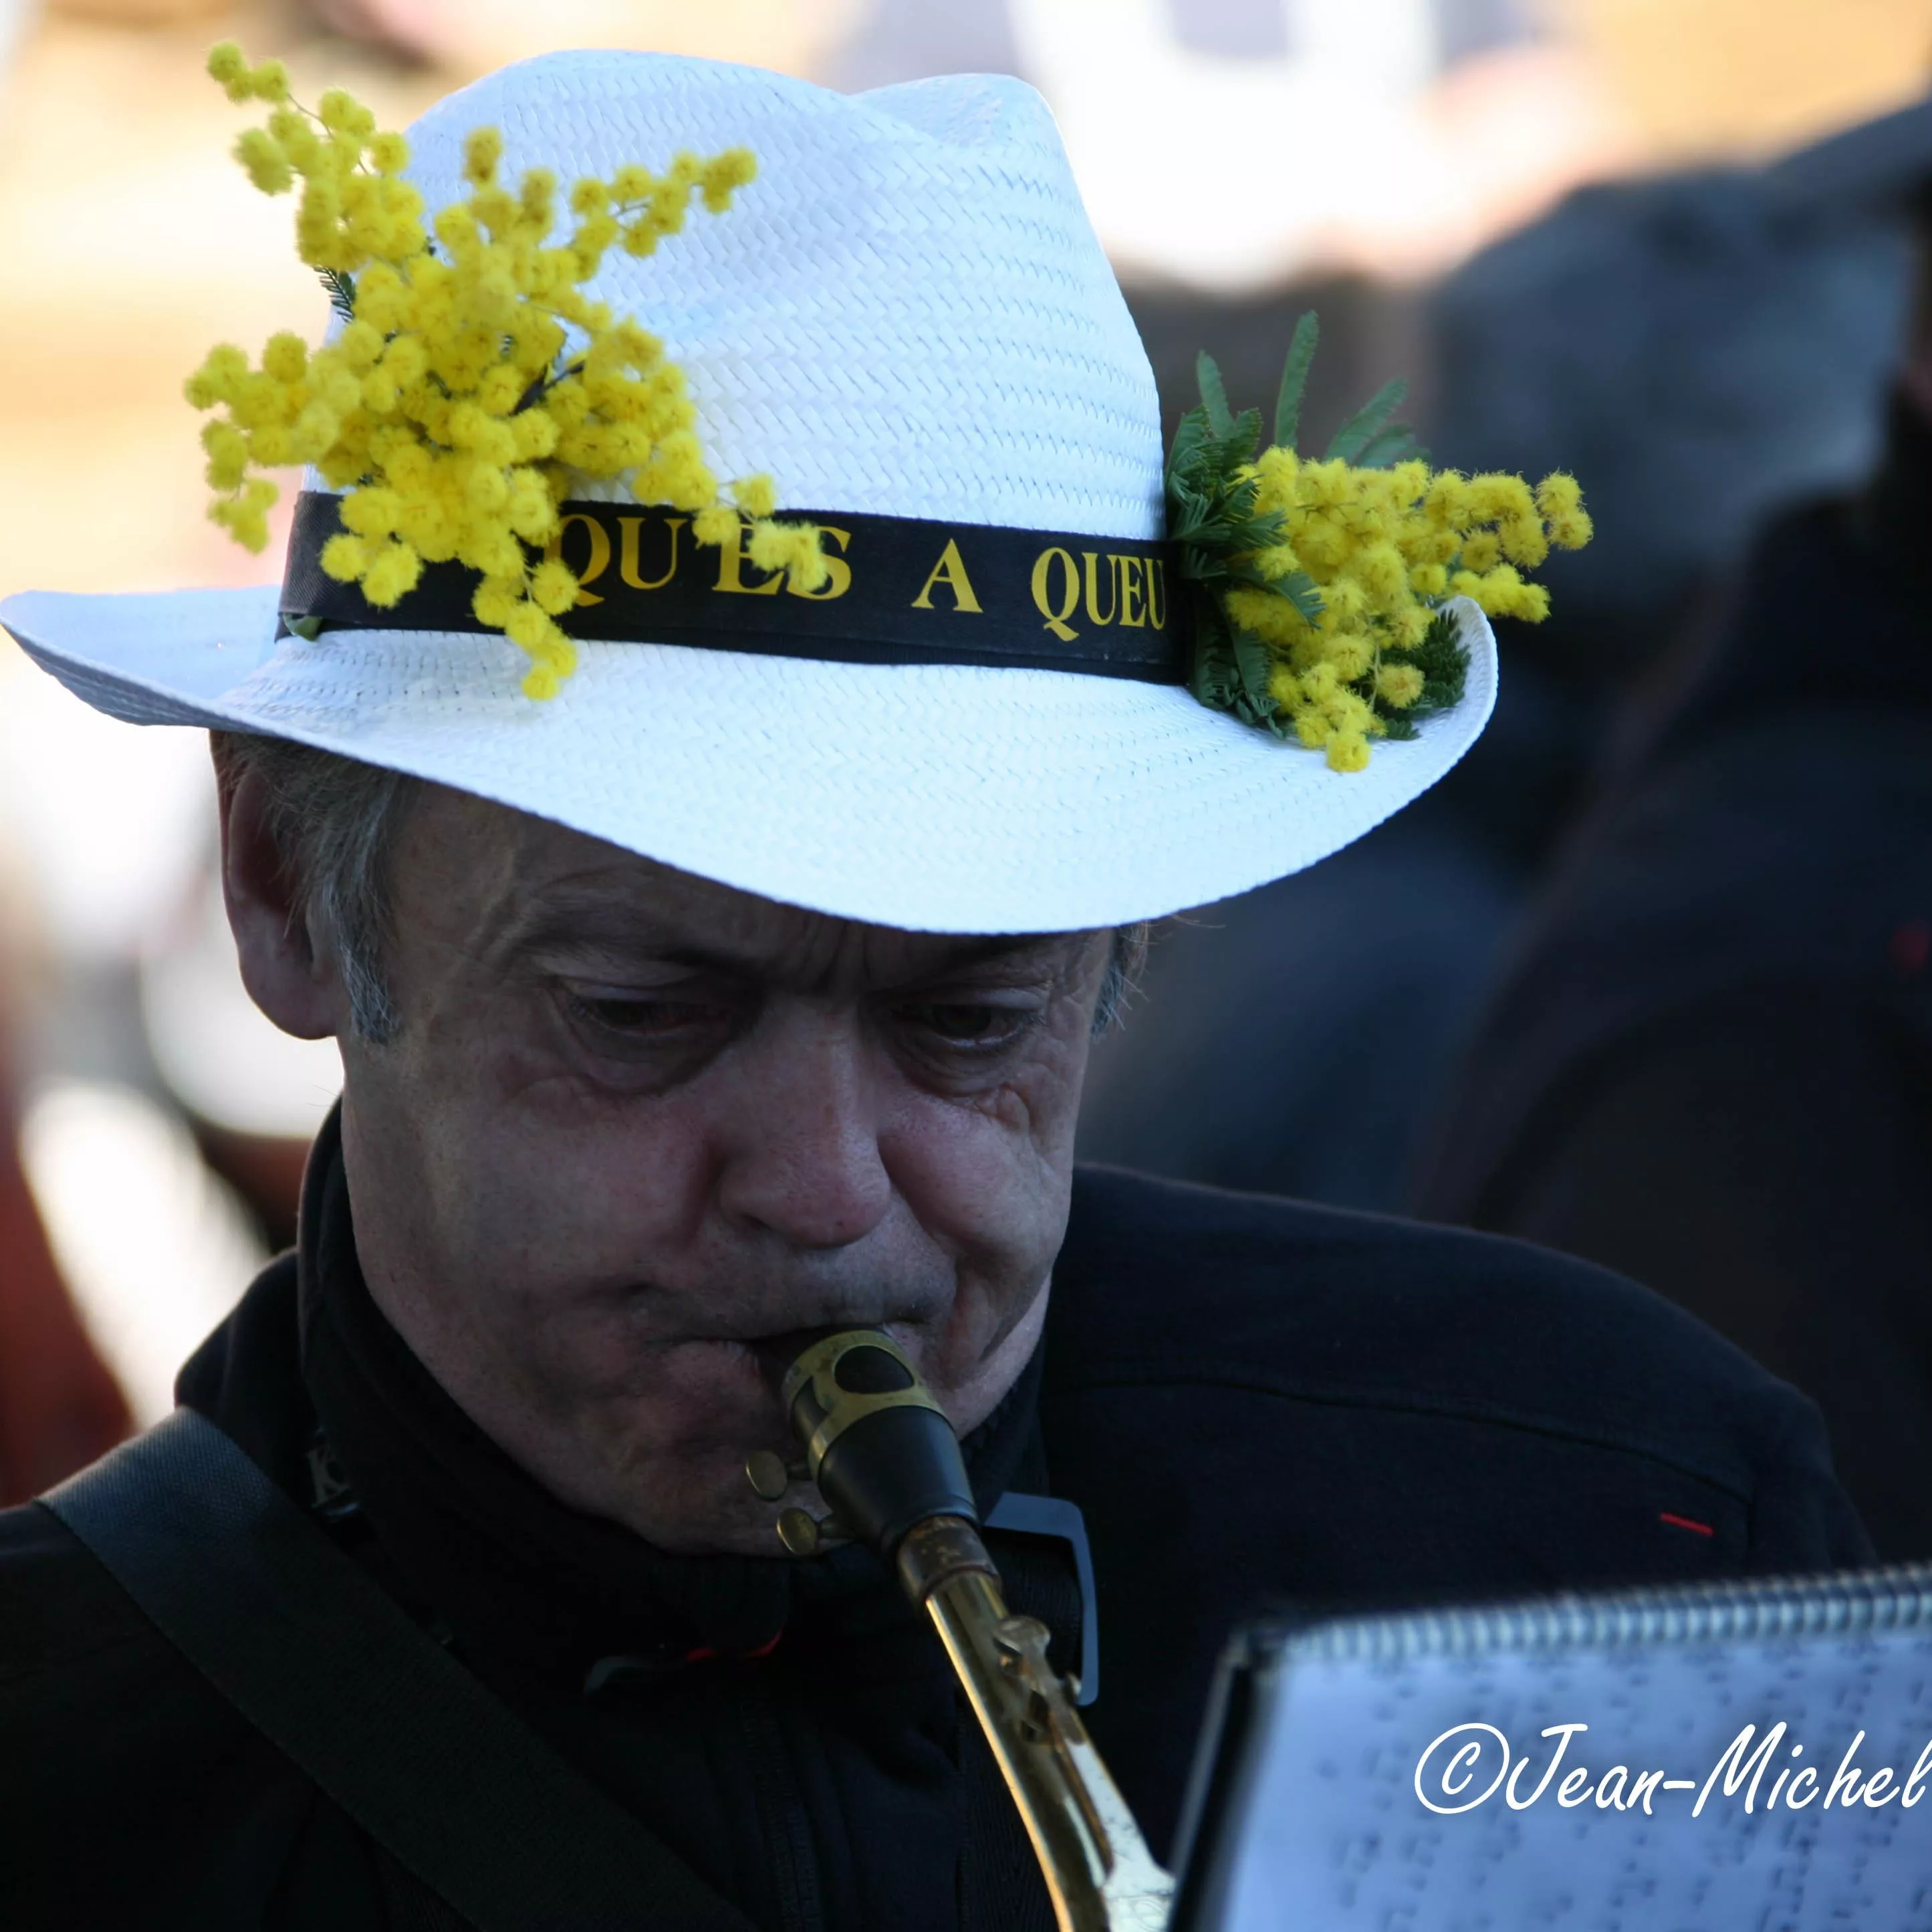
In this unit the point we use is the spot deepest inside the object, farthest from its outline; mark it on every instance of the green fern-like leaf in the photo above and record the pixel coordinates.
(1368, 422)
(341, 292)
(1215, 680)
(1294, 379)
(1256, 703)
(1395, 444)
(1213, 394)
(1443, 659)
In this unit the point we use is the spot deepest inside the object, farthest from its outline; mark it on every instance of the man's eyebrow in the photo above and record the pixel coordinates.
(555, 926)
(968, 952)
(630, 928)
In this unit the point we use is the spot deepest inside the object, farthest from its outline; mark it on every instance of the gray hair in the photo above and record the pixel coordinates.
(334, 821)
(1122, 980)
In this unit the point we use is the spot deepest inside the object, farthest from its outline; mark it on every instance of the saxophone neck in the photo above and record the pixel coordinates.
(887, 1460)
(1099, 1873)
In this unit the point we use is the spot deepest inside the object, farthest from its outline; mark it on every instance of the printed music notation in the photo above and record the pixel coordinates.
(1749, 1760)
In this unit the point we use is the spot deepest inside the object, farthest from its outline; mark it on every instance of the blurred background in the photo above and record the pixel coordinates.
(1619, 236)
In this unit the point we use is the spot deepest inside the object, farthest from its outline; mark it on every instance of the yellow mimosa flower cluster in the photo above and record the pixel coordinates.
(473, 380)
(1319, 586)
(1383, 548)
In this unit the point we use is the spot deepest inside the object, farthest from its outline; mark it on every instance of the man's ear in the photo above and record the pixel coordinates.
(287, 976)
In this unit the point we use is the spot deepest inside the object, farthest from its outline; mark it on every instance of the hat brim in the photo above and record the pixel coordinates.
(933, 797)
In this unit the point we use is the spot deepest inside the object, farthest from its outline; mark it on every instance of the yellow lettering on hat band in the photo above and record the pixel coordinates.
(838, 571)
(627, 553)
(731, 561)
(1094, 615)
(892, 589)
(1056, 620)
(598, 561)
(950, 570)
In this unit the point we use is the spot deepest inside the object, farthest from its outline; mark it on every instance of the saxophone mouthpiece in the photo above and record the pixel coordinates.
(880, 1450)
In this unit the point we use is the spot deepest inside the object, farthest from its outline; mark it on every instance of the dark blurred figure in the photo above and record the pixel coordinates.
(1696, 348)
(1710, 1066)
(60, 1408)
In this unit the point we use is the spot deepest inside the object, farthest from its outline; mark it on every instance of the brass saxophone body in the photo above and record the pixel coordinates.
(887, 1463)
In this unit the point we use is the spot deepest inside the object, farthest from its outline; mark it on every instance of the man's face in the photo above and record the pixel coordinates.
(634, 1121)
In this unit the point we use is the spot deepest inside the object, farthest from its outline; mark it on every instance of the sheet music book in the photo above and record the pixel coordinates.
(1739, 1758)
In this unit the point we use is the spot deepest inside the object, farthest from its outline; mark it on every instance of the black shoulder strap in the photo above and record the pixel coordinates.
(312, 1652)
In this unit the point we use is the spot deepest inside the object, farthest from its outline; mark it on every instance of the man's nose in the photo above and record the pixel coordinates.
(801, 1148)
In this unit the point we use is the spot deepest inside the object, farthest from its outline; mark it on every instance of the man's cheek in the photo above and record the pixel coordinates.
(988, 1197)
(954, 1166)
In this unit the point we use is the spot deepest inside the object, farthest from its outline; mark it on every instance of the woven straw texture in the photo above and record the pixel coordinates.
(907, 312)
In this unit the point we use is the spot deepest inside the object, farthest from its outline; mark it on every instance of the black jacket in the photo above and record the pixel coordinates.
(1254, 1402)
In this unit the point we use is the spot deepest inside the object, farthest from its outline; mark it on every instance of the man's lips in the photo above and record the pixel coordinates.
(714, 1305)
(771, 1352)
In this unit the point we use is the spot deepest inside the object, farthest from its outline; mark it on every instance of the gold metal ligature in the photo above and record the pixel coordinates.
(887, 1463)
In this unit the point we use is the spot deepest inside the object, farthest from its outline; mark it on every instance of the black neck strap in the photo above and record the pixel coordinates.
(902, 590)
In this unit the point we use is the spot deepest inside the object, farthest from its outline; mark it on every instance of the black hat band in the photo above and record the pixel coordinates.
(900, 590)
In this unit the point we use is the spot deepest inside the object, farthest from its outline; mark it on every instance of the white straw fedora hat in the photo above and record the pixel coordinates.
(907, 321)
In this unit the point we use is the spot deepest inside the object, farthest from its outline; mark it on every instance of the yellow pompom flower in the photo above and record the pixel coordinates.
(1271, 618)
(495, 599)
(1559, 494)
(1348, 712)
(716, 526)
(345, 558)
(468, 391)
(341, 113)
(1347, 751)
(1496, 497)
(267, 166)
(755, 495)
(1379, 569)
(1481, 551)
(1524, 541)
(1559, 499)
(372, 513)
(1350, 655)
(722, 179)
(1446, 502)
(793, 548)
(227, 450)
(286, 358)
(389, 153)
(482, 150)
(552, 587)
(1408, 629)
(392, 574)
(1400, 685)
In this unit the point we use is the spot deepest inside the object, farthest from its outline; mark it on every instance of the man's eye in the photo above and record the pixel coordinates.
(967, 1025)
(638, 1018)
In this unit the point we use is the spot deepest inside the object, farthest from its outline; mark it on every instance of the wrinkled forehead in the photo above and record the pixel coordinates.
(513, 890)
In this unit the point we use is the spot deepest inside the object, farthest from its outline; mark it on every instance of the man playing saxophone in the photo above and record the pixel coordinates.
(714, 901)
